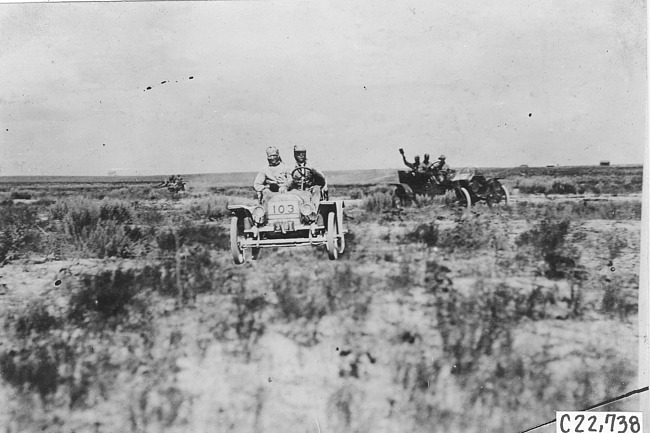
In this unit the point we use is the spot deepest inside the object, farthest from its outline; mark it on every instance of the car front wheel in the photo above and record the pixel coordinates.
(332, 250)
(464, 198)
(235, 233)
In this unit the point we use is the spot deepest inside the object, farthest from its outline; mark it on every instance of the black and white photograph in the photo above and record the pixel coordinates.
(324, 216)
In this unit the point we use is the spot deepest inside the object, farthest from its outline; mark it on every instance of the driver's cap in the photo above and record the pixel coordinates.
(272, 151)
(299, 148)
(442, 157)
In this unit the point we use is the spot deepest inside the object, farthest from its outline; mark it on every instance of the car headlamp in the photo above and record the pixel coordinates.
(306, 209)
(258, 214)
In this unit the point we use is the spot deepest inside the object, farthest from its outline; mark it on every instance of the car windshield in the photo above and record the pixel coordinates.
(468, 170)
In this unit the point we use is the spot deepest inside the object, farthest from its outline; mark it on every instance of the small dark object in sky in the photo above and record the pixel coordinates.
(149, 88)
(191, 78)
(530, 114)
(163, 82)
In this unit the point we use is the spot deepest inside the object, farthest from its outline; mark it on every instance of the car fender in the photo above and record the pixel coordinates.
(336, 206)
(403, 189)
(240, 211)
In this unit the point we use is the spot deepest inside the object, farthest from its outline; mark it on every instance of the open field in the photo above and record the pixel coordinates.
(122, 310)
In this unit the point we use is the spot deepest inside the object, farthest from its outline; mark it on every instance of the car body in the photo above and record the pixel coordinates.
(287, 219)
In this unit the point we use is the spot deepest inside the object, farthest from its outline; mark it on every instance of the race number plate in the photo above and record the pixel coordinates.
(599, 422)
(283, 207)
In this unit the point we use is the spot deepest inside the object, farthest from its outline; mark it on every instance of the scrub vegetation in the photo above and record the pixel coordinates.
(122, 311)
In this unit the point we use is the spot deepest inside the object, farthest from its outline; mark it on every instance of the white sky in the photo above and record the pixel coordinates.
(492, 83)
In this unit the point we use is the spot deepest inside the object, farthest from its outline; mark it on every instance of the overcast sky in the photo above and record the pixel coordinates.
(492, 83)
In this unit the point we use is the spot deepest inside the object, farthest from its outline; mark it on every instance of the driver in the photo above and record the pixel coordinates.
(309, 178)
(440, 169)
(273, 178)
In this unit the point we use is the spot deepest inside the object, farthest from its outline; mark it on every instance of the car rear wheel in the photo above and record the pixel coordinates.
(235, 233)
(332, 250)
(498, 194)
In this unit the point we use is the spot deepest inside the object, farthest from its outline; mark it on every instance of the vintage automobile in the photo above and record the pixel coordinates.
(292, 218)
(174, 186)
(468, 184)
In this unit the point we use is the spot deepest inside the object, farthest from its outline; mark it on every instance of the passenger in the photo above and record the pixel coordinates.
(413, 166)
(273, 178)
(440, 169)
(425, 166)
(312, 180)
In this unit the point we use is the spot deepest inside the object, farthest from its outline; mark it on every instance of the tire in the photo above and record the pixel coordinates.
(332, 250)
(499, 195)
(506, 195)
(464, 199)
(235, 249)
(341, 238)
(405, 199)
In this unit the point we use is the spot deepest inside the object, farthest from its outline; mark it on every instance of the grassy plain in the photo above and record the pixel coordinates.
(122, 310)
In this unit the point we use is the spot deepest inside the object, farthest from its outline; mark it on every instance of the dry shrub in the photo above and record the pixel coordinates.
(475, 372)
(64, 352)
(80, 217)
(21, 195)
(615, 241)
(212, 208)
(476, 326)
(618, 300)
(305, 297)
(188, 233)
(549, 241)
(20, 230)
(429, 234)
(378, 202)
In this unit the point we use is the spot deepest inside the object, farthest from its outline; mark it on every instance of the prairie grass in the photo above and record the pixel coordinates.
(573, 180)
(378, 202)
(585, 209)
(473, 232)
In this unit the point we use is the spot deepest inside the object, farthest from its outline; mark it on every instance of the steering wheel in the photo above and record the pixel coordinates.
(303, 175)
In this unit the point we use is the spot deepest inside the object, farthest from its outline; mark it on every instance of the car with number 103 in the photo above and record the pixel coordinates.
(287, 219)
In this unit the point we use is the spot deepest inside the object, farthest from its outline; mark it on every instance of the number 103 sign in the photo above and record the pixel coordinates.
(599, 422)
